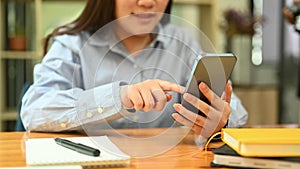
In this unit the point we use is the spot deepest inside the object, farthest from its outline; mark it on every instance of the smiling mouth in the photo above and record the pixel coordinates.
(144, 15)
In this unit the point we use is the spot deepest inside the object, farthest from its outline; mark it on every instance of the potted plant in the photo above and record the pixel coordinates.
(18, 40)
(238, 23)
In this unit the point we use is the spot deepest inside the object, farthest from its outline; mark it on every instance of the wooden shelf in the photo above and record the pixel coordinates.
(19, 55)
(9, 115)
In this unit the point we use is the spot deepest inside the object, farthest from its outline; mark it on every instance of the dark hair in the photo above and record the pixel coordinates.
(95, 15)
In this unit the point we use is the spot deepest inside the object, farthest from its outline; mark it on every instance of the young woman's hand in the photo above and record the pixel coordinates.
(148, 95)
(217, 113)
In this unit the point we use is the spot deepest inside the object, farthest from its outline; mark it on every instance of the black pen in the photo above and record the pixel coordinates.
(80, 148)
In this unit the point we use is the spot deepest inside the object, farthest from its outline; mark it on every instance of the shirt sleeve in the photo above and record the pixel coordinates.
(57, 101)
(238, 116)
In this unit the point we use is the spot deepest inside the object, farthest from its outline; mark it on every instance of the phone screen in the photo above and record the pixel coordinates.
(213, 69)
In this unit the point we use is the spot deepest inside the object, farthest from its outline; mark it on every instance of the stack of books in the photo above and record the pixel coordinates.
(277, 148)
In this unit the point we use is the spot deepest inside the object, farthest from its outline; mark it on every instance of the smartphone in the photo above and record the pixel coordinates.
(214, 69)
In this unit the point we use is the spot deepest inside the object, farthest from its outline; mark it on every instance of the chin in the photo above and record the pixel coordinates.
(134, 27)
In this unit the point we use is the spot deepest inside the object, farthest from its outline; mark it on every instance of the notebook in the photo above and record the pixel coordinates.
(225, 156)
(47, 167)
(263, 142)
(45, 151)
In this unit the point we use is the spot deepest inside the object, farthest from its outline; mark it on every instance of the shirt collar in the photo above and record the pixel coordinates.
(106, 37)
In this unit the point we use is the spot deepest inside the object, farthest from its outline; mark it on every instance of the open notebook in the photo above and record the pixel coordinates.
(45, 151)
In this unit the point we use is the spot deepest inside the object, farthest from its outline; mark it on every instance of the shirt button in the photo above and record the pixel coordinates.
(89, 114)
(135, 118)
(100, 110)
(135, 66)
(63, 125)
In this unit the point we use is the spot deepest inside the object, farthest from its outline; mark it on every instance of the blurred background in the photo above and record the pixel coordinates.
(266, 76)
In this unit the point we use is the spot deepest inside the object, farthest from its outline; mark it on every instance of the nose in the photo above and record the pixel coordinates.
(146, 3)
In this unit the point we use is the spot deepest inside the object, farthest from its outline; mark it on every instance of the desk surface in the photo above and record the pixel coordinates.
(184, 155)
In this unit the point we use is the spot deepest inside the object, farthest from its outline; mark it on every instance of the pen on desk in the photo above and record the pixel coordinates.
(78, 147)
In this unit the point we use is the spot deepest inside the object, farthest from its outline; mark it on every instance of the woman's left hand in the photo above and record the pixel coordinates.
(217, 113)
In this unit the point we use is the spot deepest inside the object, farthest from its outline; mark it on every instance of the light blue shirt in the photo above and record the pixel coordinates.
(77, 84)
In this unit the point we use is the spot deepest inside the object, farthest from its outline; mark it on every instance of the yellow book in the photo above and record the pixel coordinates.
(263, 142)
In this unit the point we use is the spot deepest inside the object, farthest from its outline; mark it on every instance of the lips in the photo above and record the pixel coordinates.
(144, 18)
(144, 15)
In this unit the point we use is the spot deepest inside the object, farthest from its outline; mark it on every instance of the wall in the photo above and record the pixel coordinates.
(55, 14)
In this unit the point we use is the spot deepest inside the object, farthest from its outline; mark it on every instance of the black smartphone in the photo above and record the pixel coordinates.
(214, 69)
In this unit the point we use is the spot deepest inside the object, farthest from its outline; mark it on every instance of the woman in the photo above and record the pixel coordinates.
(99, 71)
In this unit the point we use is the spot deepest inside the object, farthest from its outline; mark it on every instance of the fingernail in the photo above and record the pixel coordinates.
(176, 106)
(203, 86)
(186, 96)
(175, 115)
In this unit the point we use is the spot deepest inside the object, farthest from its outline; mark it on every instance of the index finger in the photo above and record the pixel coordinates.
(169, 86)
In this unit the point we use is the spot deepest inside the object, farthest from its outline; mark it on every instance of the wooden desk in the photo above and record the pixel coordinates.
(184, 155)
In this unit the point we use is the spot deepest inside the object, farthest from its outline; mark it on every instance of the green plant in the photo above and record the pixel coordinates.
(19, 29)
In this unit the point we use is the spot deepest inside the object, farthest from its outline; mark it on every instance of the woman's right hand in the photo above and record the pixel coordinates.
(148, 95)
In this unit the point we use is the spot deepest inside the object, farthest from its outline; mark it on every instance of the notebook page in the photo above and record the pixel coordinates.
(45, 151)
(47, 167)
